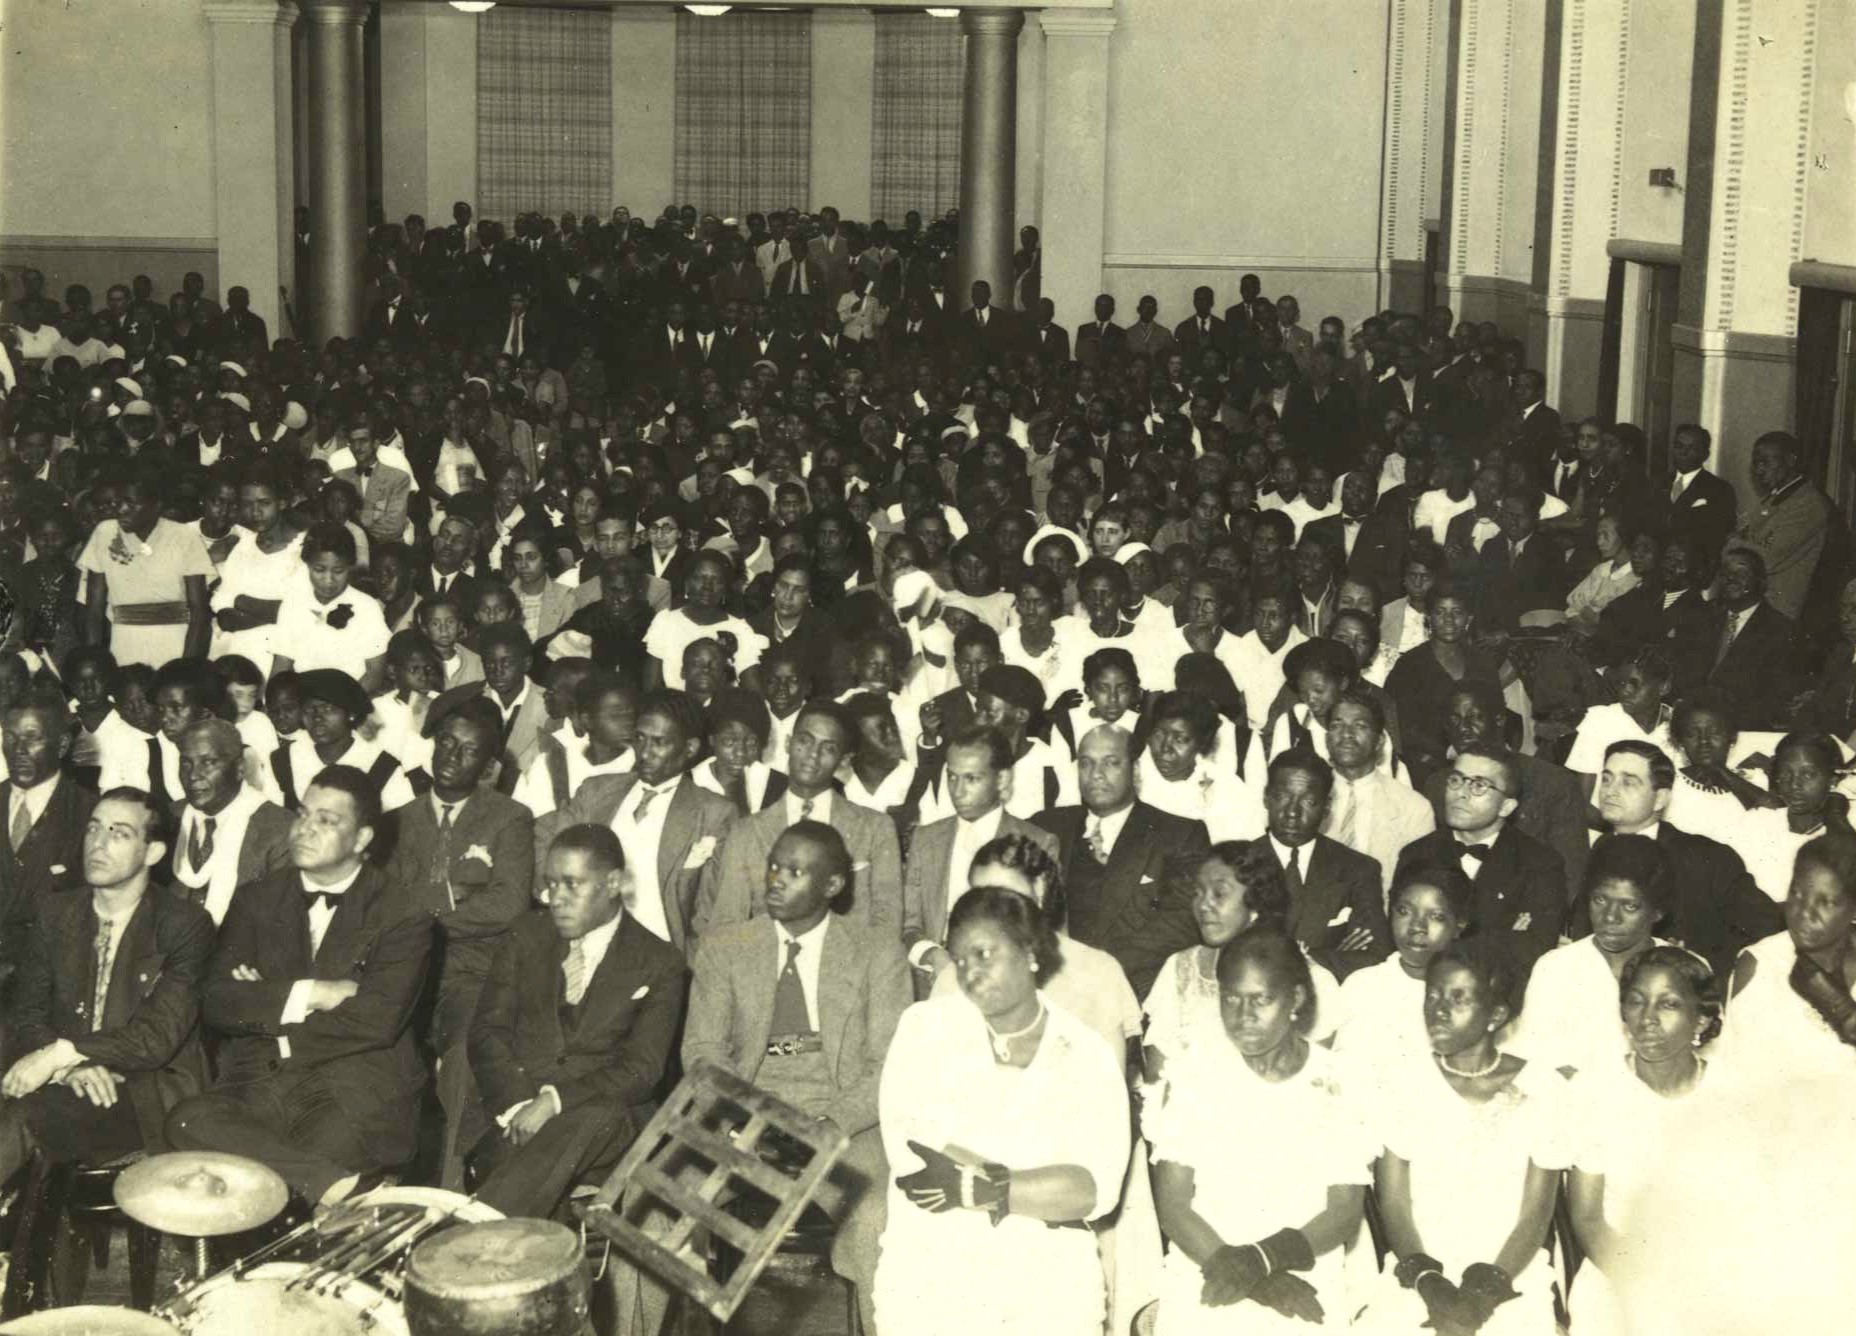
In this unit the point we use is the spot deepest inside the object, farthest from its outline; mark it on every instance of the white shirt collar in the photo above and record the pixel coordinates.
(821, 807)
(1110, 827)
(334, 888)
(1303, 852)
(810, 941)
(594, 945)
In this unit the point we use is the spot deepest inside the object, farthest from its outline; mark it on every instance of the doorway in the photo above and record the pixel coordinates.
(1646, 353)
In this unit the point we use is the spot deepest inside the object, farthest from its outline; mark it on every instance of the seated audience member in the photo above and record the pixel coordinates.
(976, 649)
(1257, 660)
(46, 813)
(1421, 682)
(1474, 1140)
(1370, 547)
(1011, 702)
(1712, 794)
(1113, 850)
(1520, 883)
(1711, 905)
(105, 1055)
(1382, 1014)
(1111, 696)
(1615, 575)
(187, 692)
(441, 618)
(311, 992)
(978, 779)
(669, 825)
(1264, 1217)
(569, 1047)
(1234, 886)
(736, 726)
(229, 833)
(702, 614)
(1805, 769)
(734, 886)
(1186, 769)
(1519, 572)
(324, 622)
(1404, 622)
(603, 712)
(1745, 646)
(333, 707)
(1371, 811)
(1664, 609)
(1641, 713)
(1337, 904)
(999, 1087)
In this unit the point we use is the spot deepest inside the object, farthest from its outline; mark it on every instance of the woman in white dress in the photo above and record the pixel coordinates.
(1381, 1016)
(1032, 642)
(1712, 798)
(257, 572)
(1261, 1160)
(702, 615)
(327, 623)
(1570, 1022)
(1474, 1142)
(1186, 770)
(1002, 1116)
(1234, 886)
(1645, 1126)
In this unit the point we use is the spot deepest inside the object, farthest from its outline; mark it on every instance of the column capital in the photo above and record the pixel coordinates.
(335, 13)
(991, 22)
(281, 12)
(1076, 23)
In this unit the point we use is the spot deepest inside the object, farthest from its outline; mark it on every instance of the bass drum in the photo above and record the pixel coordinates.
(259, 1304)
(506, 1278)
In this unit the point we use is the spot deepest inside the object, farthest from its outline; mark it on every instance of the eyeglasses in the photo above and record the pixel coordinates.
(1474, 785)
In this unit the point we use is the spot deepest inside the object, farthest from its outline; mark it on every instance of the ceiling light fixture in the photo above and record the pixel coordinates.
(944, 13)
(708, 11)
(473, 6)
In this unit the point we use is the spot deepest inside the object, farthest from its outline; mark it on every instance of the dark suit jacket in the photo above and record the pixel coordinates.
(997, 338)
(363, 1049)
(1052, 343)
(1390, 393)
(925, 901)
(1378, 550)
(1508, 587)
(1716, 910)
(863, 987)
(1325, 429)
(1191, 340)
(1520, 889)
(1537, 438)
(1552, 811)
(150, 1031)
(734, 884)
(782, 286)
(1141, 915)
(1638, 618)
(474, 899)
(1707, 510)
(614, 1047)
(264, 850)
(1095, 345)
(51, 859)
(727, 284)
(693, 816)
(1758, 672)
(1341, 890)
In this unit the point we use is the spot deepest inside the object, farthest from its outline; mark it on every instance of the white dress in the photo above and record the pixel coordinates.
(1299, 1138)
(1183, 1014)
(1057, 667)
(1381, 1019)
(672, 632)
(303, 633)
(1571, 1016)
(251, 571)
(1772, 1037)
(1230, 804)
(1469, 1166)
(958, 1271)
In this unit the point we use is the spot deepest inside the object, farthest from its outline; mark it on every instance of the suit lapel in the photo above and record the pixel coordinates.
(678, 834)
(132, 961)
(836, 997)
(756, 974)
(940, 853)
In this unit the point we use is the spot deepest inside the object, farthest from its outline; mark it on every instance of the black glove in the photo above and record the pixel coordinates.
(1450, 1314)
(1289, 1295)
(1486, 1287)
(1410, 1268)
(1288, 1250)
(944, 1184)
(1231, 1274)
(1827, 996)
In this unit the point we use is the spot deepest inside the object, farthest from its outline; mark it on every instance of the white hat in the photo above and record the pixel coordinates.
(1127, 552)
(296, 417)
(138, 408)
(1052, 531)
(135, 390)
(235, 368)
(233, 397)
(915, 591)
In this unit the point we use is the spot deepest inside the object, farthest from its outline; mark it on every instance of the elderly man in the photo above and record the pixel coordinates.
(1787, 530)
(1114, 849)
(230, 834)
(1746, 646)
(46, 812)
(1371, 811)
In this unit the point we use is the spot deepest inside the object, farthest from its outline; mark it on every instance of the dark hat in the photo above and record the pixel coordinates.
(337, 688)
(1013, 685)
(738, 705)
(1322, 656)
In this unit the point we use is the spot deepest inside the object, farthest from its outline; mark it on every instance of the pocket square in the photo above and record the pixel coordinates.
(699, 853)
(1340, 918)
(1145, 879)
(1699, 502)
(57, 870)
(641, 992)
(1523, 922)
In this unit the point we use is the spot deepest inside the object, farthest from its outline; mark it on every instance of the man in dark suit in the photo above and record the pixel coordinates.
(1534, 434)
(1336, 896)
(1203, 330)
(671, 826)
(1049, 340)
(452, 567)
(1114, 851)
(1518, 571)
(1694, 502)
(1746, 647)
(1715, 909)
(738, 279)
(1103, 340)
(1372, 545)
(573, 1033)
(706, 349)
(312, 990)
(45, 811)
(987, 333)
(798, 277)
(912, 334)
(519, 330)
(241, 327)
(229, 834)
(662, 350)
(734, 885)
(106, 1054)
(1407, 389)
(1520, 883)
(1667, 610)
(1553, 808)
(1321, 415)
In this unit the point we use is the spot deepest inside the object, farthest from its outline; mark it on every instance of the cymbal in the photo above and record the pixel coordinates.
(200, 1194)
(87, 1320)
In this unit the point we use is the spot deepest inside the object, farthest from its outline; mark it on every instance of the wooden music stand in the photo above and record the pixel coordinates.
(715, 1139)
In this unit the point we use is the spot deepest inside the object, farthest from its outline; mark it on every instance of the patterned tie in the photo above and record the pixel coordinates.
(1675, 489)
(102, 993)
(805, 808)
(1727, 637)
(22, 823)
(646, 796)
(1092, 837)
(200, 845)
(575, 971)
(441, 851)
(789, 997)
(1346, 803)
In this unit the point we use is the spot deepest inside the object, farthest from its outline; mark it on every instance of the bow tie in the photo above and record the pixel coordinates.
(324, 899)
(1479, 852)
(1353, 519)
(364, 473)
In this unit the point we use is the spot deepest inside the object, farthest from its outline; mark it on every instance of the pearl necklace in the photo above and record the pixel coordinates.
(1002, 1043)
(1489, 1070)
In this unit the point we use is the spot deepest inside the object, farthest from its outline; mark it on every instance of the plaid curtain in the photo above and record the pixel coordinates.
(744, 111)
(915, 138)
(544, 111)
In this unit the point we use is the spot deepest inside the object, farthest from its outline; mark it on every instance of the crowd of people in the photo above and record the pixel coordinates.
(1239, 826)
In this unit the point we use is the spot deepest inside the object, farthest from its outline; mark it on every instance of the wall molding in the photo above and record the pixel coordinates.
(1494, 285)
(1557, 307)
(34, 241)
(1733, 345)
(1339, 264)
(1818, 274)
(1644, 252)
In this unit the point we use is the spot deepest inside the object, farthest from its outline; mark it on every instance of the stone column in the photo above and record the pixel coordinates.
(1073, 207)
(988, 150)
(253, 167)
(337, 165)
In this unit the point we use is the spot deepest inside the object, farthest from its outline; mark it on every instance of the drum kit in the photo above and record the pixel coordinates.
(399, 1261)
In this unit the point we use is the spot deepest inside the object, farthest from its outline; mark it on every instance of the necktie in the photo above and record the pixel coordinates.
(1345, 806)
(102, 991)
(805, 808)
(1092, 837)
(575, 972)
(790, 1015)
(441, 851)
(200, 846)
(646, 797)
(22, 823)
(1205, 325)
(1727, 637)
(442, 585)
(737, 790)
(320, 899)
(1292, 875)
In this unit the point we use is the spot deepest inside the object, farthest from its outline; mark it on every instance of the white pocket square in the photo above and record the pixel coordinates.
(57, 870)
(1145, 879)
(1700, 501)
(641, 992)
(1340, 918)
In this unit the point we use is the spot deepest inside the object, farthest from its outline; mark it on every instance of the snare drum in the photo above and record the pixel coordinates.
(507, 1278)
(262, 1301)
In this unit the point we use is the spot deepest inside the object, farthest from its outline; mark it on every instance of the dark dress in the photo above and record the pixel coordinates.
(1420, 688)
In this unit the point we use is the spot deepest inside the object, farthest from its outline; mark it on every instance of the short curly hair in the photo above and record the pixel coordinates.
(1694, 971)
(1266, 894)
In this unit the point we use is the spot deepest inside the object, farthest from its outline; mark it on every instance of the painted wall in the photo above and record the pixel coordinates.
(1659, 56)
(1830, 181)
(1209, 178)
(107, 161)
